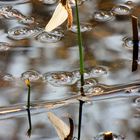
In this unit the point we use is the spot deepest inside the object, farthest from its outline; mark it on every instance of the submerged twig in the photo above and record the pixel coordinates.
(27, 82)
(135, 43)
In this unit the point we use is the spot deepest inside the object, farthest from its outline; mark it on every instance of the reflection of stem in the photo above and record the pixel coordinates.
(30, 123)
(28, 107)
(80, 118)
(80, 43)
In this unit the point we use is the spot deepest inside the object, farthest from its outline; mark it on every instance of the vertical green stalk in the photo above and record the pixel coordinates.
(28, 107)
(81, 56)
(80, 44)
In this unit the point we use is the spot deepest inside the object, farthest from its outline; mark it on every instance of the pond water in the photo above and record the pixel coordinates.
(51, 62)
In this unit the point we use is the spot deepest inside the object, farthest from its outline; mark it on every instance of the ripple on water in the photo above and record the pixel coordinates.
(122, 9)
(21, 32)
(103, 16)
(50, 37)
(32, 75)
(100, 136)
(128, 43)
(83, 28)
(4, 46)
(59, 78)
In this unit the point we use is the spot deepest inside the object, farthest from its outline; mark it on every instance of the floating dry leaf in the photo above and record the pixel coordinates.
(62, 12)
(63, 130)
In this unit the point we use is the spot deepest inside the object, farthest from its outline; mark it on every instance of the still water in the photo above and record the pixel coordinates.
(51, 62)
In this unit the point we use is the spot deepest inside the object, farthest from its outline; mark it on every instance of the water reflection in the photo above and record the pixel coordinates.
(107, 61)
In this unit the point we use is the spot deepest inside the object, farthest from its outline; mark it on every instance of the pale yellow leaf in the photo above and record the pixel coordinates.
(62, 128)
(59, 16)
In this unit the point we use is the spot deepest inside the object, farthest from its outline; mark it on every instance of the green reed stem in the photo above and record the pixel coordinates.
(80, 44)
(29, 94)
(81, 56)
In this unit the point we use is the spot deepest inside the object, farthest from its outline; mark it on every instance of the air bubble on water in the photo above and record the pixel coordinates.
(20, 32)
(32, 75)
(103, 16)
(5, 2)
(4, 46)
(51, 37)
(121, 10)
(87, 83)
(7, 77)
(98, 71)
(128, 43)
(100, 136)
(95, 90)
(4, 10)
(49, 2)
(77, 75)
(59, 78)
(79, 2)
(83, 28)
(27, 20)
(137, 102)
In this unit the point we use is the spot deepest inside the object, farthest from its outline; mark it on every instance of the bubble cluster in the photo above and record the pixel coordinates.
(20, 32)
(100, 136)
(103, 16)
(59, 78)
(122, 9)
(83, 28)
(32, 75)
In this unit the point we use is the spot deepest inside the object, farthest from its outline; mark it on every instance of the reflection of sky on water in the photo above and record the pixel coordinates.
(103, 46)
